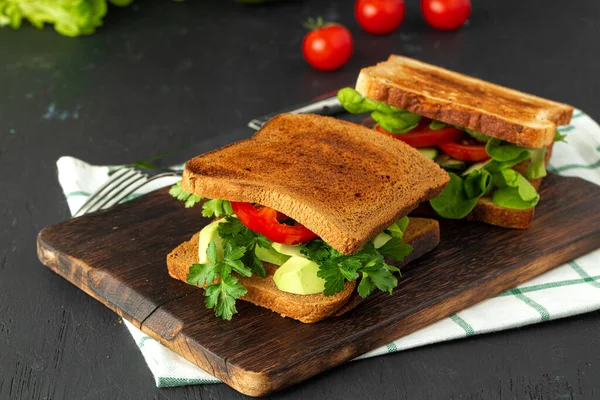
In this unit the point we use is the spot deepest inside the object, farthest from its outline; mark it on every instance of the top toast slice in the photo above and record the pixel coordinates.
(343, 181)
(457, 99)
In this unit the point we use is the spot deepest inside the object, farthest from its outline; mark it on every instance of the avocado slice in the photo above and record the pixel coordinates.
(209, 234)
(298, 275)
(429, 152)
(270, 255)
(288, 250)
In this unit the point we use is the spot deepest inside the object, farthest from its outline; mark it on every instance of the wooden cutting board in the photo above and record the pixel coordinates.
(118, 257)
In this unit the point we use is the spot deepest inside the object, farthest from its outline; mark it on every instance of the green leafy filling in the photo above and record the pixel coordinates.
(212, 208)
(69, 17)
(512, 190)
(220, 287)
(390, 118)
(368, 264)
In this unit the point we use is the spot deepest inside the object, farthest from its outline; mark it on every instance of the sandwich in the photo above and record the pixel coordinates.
(308, 217)
(494, 142)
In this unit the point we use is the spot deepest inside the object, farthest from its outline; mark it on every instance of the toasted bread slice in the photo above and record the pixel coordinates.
(342, 181)
(422, 234)
(457, 99)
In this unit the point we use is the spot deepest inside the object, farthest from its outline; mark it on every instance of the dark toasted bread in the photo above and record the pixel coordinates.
(422, 234)
(342, 181)
(457, 99)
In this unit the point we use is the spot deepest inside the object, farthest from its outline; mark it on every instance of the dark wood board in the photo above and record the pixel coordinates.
(118, 257)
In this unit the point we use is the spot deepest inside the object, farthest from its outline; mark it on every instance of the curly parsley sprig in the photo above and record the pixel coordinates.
(368, 264)
(220, 287)
(210, 208)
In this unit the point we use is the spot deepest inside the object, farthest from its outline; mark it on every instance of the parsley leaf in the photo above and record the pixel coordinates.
(366, 286)
(236, 234)
(222, 294)
(190, 199)
(395, 249)
(369, 263)
(560, 137)
(216, 208)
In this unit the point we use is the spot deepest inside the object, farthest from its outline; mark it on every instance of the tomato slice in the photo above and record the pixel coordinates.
(264, 220)
(422, 136)
(465, 152)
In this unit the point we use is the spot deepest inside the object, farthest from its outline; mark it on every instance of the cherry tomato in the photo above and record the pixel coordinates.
(422, 136)
(379, 16)
(446, 15)
(465, 152)
(327, 47)
(264, 221)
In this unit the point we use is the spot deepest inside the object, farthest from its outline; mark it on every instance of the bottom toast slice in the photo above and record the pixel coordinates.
(423, 234)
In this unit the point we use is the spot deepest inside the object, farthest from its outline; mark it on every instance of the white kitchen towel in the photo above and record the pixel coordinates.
(570, 289)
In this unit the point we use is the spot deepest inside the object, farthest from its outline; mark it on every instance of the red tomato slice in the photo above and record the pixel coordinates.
(422, 136)
(465, 152)
(264, 221)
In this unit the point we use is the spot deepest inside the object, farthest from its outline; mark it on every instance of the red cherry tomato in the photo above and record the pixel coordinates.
(265, 221)
(465, 152)
(422, 136)
(446, 15)
(379, 16)
(327, 47)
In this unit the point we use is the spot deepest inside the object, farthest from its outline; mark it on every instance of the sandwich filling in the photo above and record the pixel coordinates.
(245, 235)
(478, 165)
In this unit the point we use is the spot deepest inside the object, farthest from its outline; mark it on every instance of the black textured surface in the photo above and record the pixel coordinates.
(160, 75)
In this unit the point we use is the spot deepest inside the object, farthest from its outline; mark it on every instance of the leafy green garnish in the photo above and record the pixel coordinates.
(239, 256)
(513, 190)
(455, 202)
(501, 150)
(437, 125)
(395, 249)
(398, 228)
(216, 208)
(369, 263)
(190, 199)
(220, 295)
(213, 208)
(537, 167)
(390, 118)
(559, 137)
(70, 17)
(233, 232)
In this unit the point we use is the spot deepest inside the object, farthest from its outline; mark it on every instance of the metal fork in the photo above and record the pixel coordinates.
(121, 184)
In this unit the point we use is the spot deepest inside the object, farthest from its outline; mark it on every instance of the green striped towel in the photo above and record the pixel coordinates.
(571, 289)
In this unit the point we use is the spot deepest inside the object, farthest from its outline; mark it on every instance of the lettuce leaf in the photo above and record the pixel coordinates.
(501, 150)
(460, 196)
(537, 168)
(390, 118)
(69, 17)
(514, 191)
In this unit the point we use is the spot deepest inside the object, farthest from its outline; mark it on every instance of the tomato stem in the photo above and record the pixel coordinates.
(311, 23)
